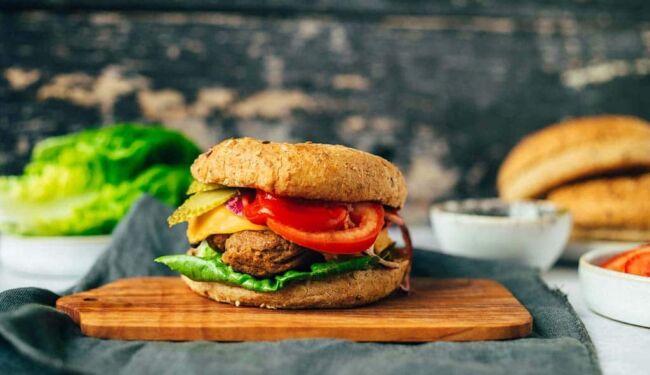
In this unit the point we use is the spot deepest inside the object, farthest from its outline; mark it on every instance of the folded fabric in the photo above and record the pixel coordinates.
(36, 338)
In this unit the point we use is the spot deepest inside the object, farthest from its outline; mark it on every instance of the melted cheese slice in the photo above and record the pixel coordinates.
(218, 221)
(382, 241)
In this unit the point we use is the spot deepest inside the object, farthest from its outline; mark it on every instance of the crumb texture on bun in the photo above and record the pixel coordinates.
(615, 208)
(572, 150)
(302, 170)
(346, 290)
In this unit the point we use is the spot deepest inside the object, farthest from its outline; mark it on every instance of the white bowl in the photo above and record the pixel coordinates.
(616, 295)
(533, 233)
(577, 248)
(51, 256)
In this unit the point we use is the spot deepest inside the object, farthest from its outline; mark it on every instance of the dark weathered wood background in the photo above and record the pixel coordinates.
(443, 89)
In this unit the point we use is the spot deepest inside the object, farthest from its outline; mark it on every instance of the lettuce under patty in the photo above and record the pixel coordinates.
(208, 266)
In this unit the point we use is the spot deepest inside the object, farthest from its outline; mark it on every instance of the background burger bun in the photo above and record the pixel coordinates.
(571, 150)
(346, 290)
(608, 208)
(302, 170)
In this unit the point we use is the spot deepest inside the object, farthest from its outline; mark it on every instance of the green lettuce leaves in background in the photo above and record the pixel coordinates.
(84, 183)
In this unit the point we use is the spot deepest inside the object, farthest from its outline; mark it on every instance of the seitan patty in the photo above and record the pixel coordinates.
(218, 242)
(262, 253)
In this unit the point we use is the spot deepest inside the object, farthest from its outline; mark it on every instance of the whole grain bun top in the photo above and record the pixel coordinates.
(572, 150)
(302, 170)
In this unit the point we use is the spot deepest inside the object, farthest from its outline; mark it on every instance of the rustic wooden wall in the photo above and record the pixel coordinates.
(444, 89)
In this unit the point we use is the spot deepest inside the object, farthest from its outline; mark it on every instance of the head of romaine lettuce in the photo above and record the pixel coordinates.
(84, 183)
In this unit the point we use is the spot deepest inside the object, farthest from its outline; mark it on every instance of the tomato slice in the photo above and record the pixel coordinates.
(639, 264)
(297, 213)
(253, 209)
(369, 220)
(618, 261)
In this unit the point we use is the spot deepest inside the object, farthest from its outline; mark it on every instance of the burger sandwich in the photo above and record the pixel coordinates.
(292, 226)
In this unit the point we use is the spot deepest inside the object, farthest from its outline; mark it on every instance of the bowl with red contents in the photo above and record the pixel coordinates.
(616, 283)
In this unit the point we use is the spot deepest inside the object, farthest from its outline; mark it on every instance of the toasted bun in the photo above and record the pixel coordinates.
(346, 290)
(302, 170)
(610, 234)
(608, 208)
(572, 150)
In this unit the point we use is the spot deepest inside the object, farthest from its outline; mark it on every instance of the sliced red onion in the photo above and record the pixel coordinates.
(394, 218)
(235, 205)
(382, 261)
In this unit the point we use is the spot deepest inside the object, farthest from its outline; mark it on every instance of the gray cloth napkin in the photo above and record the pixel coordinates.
(36, 338)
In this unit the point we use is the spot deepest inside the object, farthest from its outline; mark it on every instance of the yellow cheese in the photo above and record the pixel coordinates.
(218, 221)
(382, 241)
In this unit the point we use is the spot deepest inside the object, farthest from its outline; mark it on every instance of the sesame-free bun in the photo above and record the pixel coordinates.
(345, 290)
(615, 208)
(571, 150)
(302, 170)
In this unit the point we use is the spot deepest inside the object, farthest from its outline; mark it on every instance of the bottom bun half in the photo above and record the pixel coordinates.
(608, 208)
(345, 290)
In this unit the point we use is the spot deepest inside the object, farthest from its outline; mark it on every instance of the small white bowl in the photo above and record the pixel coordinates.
(616, 295)
(533, 233)
(577, 248)
(51, 256)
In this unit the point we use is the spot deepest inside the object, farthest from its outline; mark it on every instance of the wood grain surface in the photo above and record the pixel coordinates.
(163, 308)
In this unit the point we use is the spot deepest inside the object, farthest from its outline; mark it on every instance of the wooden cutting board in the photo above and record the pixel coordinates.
(163, 308)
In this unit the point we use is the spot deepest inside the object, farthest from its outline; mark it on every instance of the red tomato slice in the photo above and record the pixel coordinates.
(639, 264)
(297, 213)
(369, 218)
(618, 261)
(253, 210)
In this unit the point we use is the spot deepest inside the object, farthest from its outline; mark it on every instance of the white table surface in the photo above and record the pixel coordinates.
(622, 348)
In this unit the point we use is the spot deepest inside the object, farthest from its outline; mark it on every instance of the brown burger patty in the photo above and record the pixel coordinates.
(218, 242)
(262, 253)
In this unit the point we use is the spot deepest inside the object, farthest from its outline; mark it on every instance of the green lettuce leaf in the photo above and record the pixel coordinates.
(208, 266)
(84, 183)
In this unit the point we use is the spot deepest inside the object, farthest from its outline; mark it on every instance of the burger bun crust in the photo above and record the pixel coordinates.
(302, 170)
(572, 150)
(349, 289)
